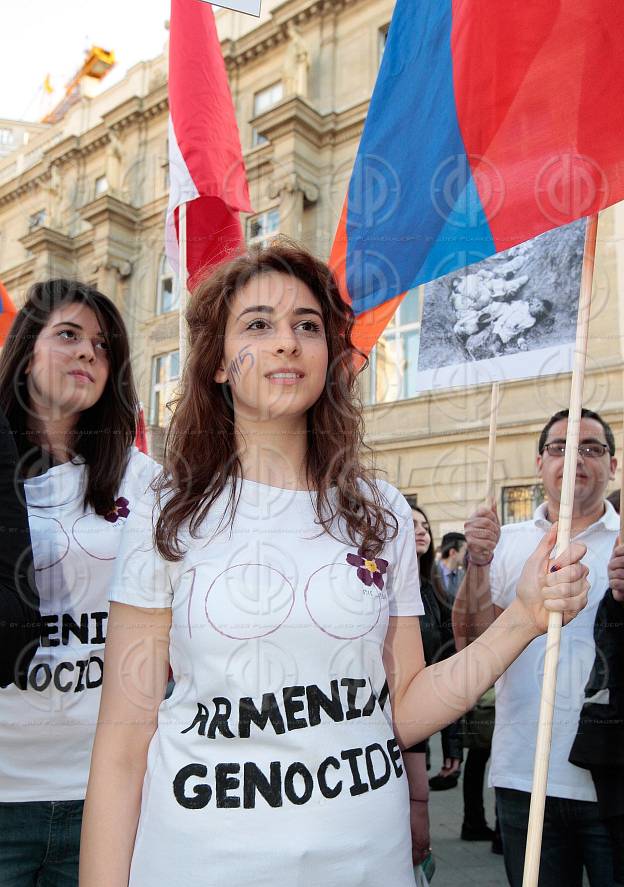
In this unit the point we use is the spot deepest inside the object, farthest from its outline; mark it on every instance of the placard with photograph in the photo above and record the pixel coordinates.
(511, 316)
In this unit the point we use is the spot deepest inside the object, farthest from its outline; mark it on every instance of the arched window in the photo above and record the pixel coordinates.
(167, 295)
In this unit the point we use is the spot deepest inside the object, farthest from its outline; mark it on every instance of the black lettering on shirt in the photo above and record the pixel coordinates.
(353, 685)
(49, 627)
(326, 790)
(225, 782)
(317, 700)
(395, 756)
(298, 769)
(200, 720)
(100, 635)
(220, 718)
(248, 713)
(292, 705)
(69, 626)
(254, 781)
(201, 793)
(376, 780)
(351, 754)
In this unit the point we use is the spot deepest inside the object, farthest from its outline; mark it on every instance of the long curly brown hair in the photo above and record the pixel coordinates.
(197, 466)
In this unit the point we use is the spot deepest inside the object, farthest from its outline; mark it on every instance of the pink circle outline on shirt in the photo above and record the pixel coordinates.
(245, 637)
(338, 637)
(64, 532)
(80, 545)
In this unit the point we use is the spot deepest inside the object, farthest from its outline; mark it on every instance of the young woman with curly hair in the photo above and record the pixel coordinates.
(280, 581)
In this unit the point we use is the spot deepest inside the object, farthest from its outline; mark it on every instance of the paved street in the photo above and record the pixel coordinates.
(460, 863)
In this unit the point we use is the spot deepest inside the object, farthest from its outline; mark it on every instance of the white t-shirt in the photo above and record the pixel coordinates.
(274, 760)
(47, 730)
(518, 690)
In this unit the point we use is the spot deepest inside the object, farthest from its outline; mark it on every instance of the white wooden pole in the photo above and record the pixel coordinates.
(183, 294)
(489, 480)
(544, 734)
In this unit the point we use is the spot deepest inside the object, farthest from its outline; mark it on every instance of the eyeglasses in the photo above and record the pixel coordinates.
(587, 450)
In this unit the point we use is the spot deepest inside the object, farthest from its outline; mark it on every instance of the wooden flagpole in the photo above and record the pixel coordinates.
(183, 293)
(544, 734)
(489, 480)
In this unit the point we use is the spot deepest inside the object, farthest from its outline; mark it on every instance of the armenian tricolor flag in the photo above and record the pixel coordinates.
(490, 123)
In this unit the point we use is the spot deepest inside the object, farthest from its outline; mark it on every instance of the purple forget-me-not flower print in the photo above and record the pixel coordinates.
(119, 509)
(370, 570)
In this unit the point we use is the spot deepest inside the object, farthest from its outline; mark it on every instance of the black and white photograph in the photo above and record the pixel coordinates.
(508, 316)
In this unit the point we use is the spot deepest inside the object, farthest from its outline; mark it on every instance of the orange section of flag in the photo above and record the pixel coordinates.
(370, 324)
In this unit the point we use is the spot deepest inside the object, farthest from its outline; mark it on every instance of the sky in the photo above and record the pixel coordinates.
(39, 37)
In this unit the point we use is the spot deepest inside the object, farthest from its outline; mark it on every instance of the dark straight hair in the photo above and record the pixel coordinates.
(105, 431)
(426, 561)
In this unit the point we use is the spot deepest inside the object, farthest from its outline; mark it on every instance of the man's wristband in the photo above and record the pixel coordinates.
(420, 800)
(470, 560)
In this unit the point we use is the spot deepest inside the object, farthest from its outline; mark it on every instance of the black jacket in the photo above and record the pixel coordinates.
(20, 619)
(599, 743)
(438, 643)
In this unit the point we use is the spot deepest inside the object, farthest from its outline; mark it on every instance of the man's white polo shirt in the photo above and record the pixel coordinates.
(518, 690)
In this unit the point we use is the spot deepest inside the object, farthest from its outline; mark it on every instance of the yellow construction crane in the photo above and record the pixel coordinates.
(96, 65)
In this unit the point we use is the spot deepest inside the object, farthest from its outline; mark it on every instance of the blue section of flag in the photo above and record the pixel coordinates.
(413, 206)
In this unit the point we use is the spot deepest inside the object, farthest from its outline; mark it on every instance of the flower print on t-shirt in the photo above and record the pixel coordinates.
(119, 509)
(370, 570)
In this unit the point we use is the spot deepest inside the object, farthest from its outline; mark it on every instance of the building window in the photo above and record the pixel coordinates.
(167, 299)
(7, 136)
(519, 503)
(36, 220)
(391, 374)
(165, 375)
(382, 39)
(263, 100)
(261, 228)
(101, 185)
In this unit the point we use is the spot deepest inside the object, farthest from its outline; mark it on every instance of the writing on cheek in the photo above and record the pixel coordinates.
(235, 366)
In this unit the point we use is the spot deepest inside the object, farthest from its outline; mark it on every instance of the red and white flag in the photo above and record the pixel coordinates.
(7, 313)
(206, 168)
(140, 438)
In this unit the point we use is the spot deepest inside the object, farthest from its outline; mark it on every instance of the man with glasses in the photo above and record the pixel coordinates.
(574, 837)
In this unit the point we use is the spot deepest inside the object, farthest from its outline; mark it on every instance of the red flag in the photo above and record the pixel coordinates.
(206, 168)
(140, 440)
(7, 313)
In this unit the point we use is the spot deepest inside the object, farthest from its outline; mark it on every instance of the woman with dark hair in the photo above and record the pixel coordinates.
(67, 391)
(283, 590)
(436, 631)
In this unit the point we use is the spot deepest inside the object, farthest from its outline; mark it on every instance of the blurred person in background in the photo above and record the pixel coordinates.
(437, 637)
(450, 567)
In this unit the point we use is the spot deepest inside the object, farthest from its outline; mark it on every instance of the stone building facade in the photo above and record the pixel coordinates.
(87, 196)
